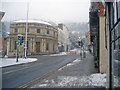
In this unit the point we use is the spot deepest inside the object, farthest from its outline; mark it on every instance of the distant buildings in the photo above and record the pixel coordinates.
(63, 38)
(88, 42)
(42, 37)
(2, 40)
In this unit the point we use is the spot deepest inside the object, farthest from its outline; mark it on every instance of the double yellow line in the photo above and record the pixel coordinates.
(43, 76)
(29, 83)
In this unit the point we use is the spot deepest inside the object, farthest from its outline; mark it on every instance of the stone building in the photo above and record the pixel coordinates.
(63, 37)
(99, 40)
(1, 38)
(42, 37)
(88, 43)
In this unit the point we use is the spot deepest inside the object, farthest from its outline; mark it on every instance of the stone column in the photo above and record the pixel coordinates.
(103, 56)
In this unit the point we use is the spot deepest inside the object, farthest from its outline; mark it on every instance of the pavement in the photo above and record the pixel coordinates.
(22, 76)
(7, 62)
(77, 74)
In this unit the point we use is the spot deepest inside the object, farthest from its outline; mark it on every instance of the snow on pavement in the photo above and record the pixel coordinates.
(94, 80)
(12, 61)
(69, 64)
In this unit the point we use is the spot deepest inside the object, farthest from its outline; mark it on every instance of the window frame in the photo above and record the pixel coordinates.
(16, 30)
(37, 30)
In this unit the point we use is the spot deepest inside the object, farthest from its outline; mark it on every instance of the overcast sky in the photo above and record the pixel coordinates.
(54, 10)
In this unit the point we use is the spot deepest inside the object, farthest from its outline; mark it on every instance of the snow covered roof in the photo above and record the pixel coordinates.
(32, 21)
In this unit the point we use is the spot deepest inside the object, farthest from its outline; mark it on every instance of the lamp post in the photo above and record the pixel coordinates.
(26, 30)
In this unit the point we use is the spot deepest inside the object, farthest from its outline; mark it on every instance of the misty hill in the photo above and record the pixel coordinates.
(78, 27)
(5, 28)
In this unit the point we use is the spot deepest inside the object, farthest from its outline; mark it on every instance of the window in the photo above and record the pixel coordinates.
(16, 30)
(54, 33)
(27, 44)
(28, 30)
(47, 47)
(48, 32)
(15, 45)
(53, 47)
(38, 30)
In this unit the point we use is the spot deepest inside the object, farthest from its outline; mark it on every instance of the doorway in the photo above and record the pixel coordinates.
(37, 47)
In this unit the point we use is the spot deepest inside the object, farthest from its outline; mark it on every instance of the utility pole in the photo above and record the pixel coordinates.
(26, 31)
(17, 52)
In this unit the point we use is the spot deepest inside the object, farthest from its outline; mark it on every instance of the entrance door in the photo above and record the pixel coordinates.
(37, 47)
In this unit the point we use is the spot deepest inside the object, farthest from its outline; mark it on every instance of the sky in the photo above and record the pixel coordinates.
(49, 10)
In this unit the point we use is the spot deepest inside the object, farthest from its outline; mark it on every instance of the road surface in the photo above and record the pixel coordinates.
(21, 76)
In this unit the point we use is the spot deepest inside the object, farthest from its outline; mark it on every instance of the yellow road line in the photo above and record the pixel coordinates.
(43, 76)
(29, 83)
(15, 70)
(18, 70)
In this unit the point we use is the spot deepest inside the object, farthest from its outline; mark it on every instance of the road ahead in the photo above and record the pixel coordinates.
(23, 75)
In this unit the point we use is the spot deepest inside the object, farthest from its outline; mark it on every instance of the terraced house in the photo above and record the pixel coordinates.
(42, 37)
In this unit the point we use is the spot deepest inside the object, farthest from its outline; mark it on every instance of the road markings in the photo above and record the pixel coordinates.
(29, 83)
(43, 76)
(18, 70)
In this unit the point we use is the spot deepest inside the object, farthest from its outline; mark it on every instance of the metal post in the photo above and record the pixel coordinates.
(26, 31)
(23, 52)
(84, 54)
(17, 52)
(81, 53)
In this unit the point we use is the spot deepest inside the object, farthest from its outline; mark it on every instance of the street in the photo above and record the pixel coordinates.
(19, 75)
(77, 74)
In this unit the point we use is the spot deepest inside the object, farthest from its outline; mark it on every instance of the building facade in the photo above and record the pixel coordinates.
(63, 38)
(1, 38)
(42, 37)
(88, 42)
(113, 43)
(98, 34)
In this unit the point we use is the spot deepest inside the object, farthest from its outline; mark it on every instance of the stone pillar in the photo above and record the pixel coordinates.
(42, 45)
(34, 45)
(103, 56)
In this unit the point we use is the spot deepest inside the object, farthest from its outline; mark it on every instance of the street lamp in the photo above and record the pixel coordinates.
(26, 30)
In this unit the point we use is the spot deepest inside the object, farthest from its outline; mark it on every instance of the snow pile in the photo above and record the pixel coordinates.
(12, 61)
(94, 80)
(78, 51)
(60, 54)
(64, 81)
(70, 64)
(74, 49)
(98, 79)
